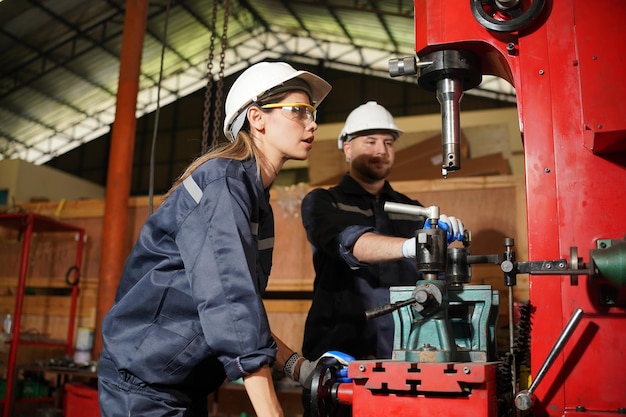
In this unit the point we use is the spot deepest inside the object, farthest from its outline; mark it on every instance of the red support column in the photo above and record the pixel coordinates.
(115, 222)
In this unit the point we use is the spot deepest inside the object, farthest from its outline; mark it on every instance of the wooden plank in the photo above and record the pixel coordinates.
(290, 284)
(81, 209)
(325, 161)
(289, 327)
(48, 315)
(491, 207)
(287, 306)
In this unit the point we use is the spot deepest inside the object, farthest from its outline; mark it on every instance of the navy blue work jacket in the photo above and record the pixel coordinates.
(345, 288)
(188, 310)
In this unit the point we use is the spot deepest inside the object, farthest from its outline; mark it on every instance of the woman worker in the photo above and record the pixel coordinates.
(188, 311)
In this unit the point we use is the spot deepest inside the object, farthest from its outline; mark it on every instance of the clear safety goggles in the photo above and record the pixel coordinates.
(295, 111)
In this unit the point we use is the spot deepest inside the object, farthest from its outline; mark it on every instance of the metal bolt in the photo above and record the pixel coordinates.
(547, 170)
(466, 370)
(420, 296)
(581, 408)
(541, 72)
(506, 266)
(510, 48)
(362, 368)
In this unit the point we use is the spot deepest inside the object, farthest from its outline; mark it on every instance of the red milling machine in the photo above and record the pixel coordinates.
(566, 62)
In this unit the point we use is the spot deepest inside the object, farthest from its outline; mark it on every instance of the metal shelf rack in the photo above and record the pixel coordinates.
(27, 224)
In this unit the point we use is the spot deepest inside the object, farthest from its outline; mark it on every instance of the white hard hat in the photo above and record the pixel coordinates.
(368, 117)
(263, 78)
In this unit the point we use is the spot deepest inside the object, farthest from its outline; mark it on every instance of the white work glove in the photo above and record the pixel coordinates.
(408, 248)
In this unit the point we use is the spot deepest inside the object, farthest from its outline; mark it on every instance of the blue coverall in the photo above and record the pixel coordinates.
(188, 312)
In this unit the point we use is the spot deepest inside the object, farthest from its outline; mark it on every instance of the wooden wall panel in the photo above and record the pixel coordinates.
(292, 267)
(491, 207)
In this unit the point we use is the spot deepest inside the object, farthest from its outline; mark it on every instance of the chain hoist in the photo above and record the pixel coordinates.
(219, 94)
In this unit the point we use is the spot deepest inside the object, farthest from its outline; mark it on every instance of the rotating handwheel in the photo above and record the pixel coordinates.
(505, 15)
(323, 387)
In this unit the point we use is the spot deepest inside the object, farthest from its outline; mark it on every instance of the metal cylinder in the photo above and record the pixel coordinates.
(431, 251)
(611, 263)
(458, 271)
(450, 73)
(449, 94)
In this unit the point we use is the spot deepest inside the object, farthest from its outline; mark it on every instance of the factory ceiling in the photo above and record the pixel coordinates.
(60, 58)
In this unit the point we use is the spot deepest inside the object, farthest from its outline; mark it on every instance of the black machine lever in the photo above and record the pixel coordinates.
(388, 308)
(425, 299)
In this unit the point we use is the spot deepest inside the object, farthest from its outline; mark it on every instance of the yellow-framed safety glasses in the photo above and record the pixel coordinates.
(295, 111)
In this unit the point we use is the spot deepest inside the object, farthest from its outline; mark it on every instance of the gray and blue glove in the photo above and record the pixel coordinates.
(453, 227)
(454, 231)
(307, 368)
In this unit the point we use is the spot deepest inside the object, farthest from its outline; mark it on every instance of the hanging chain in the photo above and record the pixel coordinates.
(219, 94)
(209, 85)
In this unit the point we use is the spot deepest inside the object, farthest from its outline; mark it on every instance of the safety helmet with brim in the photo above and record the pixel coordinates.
(370, 117)
(263, 80)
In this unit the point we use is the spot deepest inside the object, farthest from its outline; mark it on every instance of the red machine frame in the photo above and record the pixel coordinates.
(568, 75)
(570, 88)
(400, 389)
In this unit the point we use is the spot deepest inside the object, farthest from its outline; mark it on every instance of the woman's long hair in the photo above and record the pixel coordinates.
(241, 149)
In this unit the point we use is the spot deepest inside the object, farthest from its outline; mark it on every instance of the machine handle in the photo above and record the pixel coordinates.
(524, 399)
(387, 308)
(520, 19)
(431, 212)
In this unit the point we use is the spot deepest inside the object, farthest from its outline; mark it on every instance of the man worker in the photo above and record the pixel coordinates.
(359, 250)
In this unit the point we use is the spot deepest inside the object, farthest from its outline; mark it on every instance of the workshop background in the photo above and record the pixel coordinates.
(61, 63)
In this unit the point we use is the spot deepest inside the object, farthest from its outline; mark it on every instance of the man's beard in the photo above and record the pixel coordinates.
(362, 166)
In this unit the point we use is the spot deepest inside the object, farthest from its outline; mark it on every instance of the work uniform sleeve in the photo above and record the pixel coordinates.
(330, 226)
(219, 248)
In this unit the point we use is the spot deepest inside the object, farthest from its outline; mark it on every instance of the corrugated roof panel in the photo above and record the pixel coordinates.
(275, 13)
(13, 123)
(42, 107)
(61, 58)
(14, 53)
(101, 71)
(403, 31)
(319, 21)
(365, 29)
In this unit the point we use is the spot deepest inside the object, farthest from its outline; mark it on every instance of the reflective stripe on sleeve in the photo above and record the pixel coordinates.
(354, 209)
(266, 243)
(194, 190)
